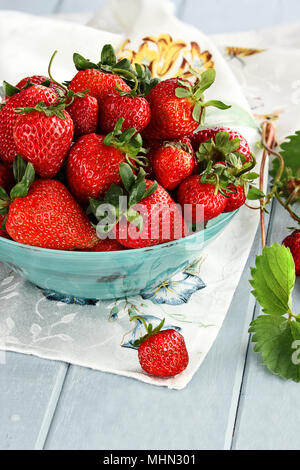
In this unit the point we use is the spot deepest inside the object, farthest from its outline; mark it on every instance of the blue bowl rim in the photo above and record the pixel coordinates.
(134, 251)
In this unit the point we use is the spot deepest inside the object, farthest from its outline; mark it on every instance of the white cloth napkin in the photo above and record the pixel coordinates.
(40, 323)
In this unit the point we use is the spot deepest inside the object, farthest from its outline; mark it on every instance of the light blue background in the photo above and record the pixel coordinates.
(213, 16)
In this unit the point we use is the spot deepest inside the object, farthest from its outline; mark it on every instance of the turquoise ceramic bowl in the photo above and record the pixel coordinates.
(108, 275)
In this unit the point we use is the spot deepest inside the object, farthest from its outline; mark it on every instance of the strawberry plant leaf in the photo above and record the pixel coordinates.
(254, 194)
(276, 339)
(273, 280)
(290, 151)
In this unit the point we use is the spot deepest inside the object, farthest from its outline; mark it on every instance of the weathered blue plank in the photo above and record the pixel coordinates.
(220, 16)
(268, 416)
(37, 7)
(30, 388)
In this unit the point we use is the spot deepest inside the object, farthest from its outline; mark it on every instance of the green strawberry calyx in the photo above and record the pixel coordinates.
(221, 148)
(129, 142)
(53, 110)
(24, 175)
(224, 165)
(122, 200)
(196, 93)
(150, 331)
(227, 175)
(11, 90)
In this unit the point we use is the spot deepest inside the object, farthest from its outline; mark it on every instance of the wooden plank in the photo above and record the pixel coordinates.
(30, 6)
(224, 16)
(30, 388)
(268, 416)
(103, 411)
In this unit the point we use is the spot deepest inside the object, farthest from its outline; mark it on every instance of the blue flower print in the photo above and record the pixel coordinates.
(67, 299)
(177, 291)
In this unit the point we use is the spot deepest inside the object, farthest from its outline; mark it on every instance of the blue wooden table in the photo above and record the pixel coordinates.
(232, 403)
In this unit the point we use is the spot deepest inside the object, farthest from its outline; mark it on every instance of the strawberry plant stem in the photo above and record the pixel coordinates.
(268, 140)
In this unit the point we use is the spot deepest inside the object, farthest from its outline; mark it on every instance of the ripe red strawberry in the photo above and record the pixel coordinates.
(41, 80)
(99, 84)
(43, 136)
(236, 199)
(84, 113)
(29, 97)
(200, 199)
(218, 152)
(162, 353)
(49, 217)
(93, 162)
(293, 243)
(162, 221)
(106, 245)
(134, 109)
(177, 106)
(173, 163)
(6, 177)
(150, 215)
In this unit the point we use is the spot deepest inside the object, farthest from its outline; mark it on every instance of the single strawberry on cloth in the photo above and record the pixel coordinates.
(99, 334)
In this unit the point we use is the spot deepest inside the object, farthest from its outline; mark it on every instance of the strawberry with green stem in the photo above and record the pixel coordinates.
(43, 136)
(11, 90)
(162, 353)
(178, 106)
(173, 162)
(103, 77)
(208, 142)
(28, 97)
(131, 105)
(230, 168)
(43, 213)
(93, 162)
(141, 213)
(82, 107)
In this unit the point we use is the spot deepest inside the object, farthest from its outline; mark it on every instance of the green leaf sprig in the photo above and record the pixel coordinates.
(277, 332)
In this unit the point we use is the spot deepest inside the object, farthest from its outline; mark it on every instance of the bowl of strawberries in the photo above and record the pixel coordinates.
(112, 183)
